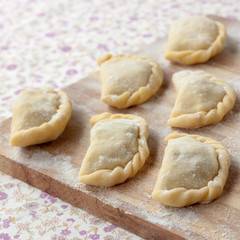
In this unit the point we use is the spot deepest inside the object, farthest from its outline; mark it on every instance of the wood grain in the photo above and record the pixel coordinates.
(53, 167)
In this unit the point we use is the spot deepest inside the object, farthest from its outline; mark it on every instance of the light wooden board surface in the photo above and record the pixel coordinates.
(53, 167)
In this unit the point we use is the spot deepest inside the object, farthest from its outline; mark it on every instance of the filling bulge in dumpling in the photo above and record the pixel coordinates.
(113, 143)
(39, 116)
(128, 80)
(187, 164)
(195, 93)
(121, 75)
(194, 39)
(192, 33)
(33, 108)
(194, 169)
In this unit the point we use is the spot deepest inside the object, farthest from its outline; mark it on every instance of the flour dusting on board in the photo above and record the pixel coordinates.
(40, 160)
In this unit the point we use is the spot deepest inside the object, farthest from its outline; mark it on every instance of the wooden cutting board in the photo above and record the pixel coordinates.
(53, 167)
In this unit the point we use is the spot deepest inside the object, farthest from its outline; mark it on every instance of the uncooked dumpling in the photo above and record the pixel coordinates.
(128, 79)
(39, 116)
(202, 99)
(118, 149)
(194, 39)
(194, 169)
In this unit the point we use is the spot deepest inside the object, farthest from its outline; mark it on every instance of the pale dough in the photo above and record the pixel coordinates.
(39, 116)
(128, 79)
(118, 149)
(194, 39)
(194, 169)
(202, 99)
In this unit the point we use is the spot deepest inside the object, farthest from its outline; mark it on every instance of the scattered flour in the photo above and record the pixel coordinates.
(40, 160)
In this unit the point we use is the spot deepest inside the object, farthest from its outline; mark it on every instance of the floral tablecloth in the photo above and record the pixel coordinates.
(46, 43)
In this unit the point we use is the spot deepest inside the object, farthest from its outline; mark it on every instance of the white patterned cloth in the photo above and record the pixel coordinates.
(53, 44)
